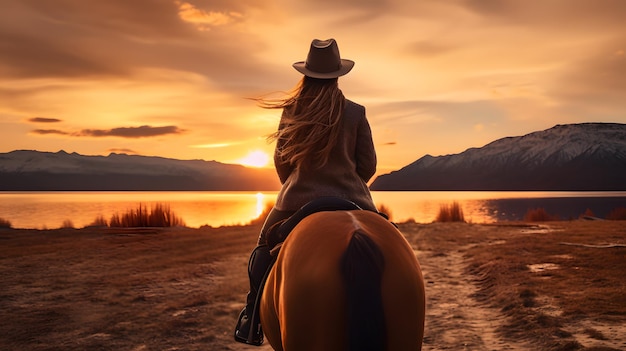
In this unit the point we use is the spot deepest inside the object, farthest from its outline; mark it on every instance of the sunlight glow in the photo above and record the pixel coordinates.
(210, 146)
(259, 204)
(256, 158)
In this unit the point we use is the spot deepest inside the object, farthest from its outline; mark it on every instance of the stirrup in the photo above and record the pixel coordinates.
(254, 338)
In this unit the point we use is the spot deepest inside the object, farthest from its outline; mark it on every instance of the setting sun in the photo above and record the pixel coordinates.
(256, 158)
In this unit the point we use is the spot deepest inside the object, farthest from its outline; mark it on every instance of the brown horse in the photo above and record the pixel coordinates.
(344, 280)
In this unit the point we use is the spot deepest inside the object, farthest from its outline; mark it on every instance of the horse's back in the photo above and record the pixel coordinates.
(304, 302)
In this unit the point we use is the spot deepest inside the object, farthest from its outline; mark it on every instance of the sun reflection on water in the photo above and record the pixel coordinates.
(197, 208)
(260, 204)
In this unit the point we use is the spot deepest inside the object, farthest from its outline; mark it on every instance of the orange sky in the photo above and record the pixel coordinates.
(171, 78)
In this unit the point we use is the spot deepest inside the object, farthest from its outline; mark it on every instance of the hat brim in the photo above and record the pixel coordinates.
(346, 66)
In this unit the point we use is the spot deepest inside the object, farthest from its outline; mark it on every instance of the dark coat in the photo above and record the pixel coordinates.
(351, 164)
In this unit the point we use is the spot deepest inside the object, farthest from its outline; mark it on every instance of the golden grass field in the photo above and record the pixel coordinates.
(508, 286)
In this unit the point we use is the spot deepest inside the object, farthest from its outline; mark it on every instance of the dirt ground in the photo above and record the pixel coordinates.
(510, 286)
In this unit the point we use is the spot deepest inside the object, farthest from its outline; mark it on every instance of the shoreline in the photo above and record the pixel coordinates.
(54, 210)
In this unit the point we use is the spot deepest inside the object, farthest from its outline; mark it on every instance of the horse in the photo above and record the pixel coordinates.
(344, 280)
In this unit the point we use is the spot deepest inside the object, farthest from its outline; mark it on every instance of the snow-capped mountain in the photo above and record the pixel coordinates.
(587, 156)
(34, 170)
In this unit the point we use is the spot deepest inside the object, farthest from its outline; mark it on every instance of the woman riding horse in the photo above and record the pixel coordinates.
(324, 147)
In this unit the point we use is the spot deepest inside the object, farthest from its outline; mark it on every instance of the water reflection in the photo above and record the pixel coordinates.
(563, 207)
(51, 209)
(260, 203)
(488, 207)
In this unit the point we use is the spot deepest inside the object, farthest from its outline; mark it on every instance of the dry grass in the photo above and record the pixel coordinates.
(382, 208)
(539, 215)
(588, 213)
(122, 289)
(450, 213)
(618, 214)
(182, 288)
(524, 274)
(67, 224)
(5, 223)
(160, 215)
(100, 221)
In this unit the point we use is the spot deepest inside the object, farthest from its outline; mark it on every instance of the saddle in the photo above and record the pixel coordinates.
(277, 233)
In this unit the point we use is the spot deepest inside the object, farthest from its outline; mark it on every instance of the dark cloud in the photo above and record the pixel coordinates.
(48, 132)
(122, 132)
(335, 7)
(131, 132)
(118, 38)
(123, 151)
(43, 120)
(27, 56)
(73, 38)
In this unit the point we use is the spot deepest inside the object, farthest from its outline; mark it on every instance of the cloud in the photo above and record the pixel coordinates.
(75, 39)
(123, 132)
(122, 151)
(48, 132)
(205, 20)
(43, 120)
(210, 146)
(131, 132)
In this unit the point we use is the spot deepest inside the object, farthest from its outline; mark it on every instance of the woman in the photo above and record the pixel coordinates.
(324, 148)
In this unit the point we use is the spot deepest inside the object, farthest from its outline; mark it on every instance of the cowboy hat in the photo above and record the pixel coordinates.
(324, 61)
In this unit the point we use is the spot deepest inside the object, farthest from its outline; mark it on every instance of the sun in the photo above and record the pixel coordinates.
(256, 158)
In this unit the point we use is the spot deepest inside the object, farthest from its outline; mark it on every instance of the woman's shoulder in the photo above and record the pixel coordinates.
(353, 107)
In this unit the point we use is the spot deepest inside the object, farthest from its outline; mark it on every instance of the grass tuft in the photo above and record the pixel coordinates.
(5, 223)
(382, 208)
(67, 224)
(618, 214)
(159, 215)
(450, 213)
(588, 213)
(100, 221)
(539, 215)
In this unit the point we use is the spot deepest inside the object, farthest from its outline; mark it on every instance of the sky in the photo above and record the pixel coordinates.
(174, 78)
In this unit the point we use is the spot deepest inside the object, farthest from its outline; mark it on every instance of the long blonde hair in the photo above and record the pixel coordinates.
(311, 122)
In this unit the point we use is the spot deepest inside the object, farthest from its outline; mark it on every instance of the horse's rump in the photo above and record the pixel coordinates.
(338, 264)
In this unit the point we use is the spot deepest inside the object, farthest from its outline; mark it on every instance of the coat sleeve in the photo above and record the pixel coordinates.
(365, 152)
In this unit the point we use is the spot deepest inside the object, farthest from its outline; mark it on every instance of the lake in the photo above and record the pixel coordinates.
(48, 210)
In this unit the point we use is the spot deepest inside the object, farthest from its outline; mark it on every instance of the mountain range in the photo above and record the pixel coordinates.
(46, 171)
(575, 157)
